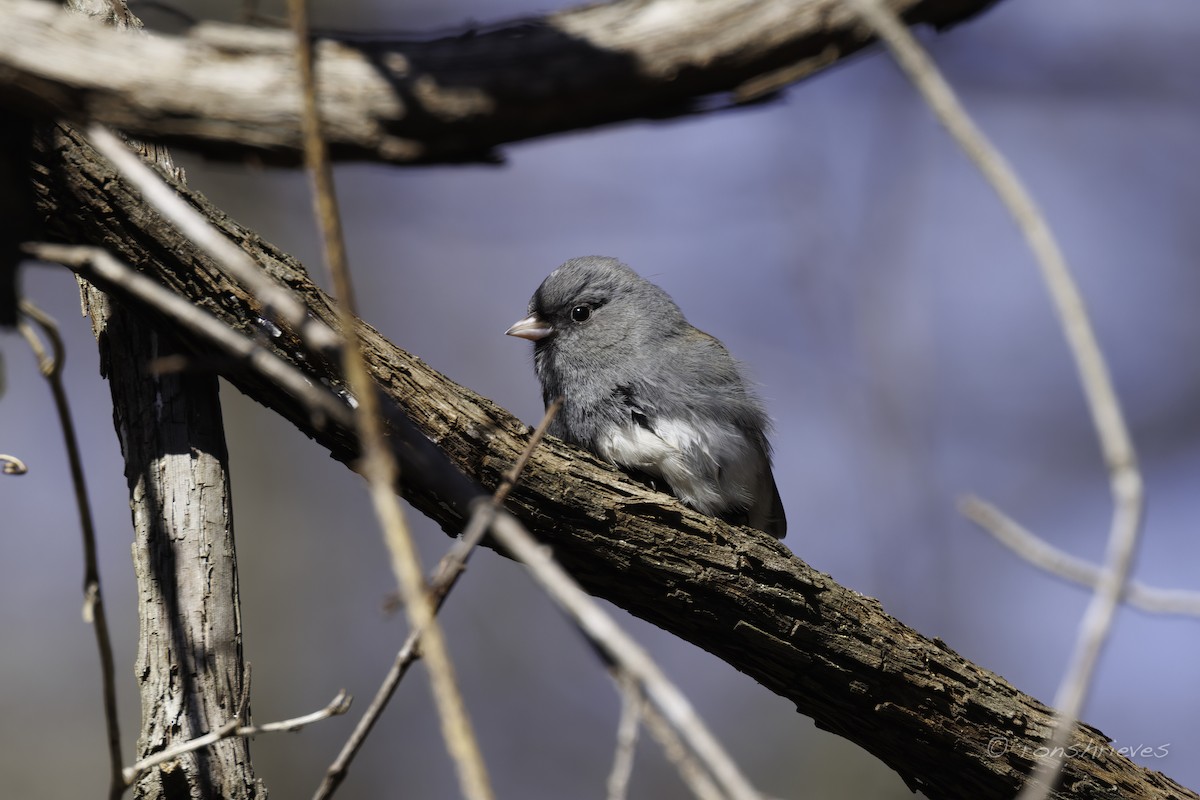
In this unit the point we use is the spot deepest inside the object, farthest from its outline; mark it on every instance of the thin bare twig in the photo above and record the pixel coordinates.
(12, 465)
(97, 264)
(1045, 556)
(514, 472)
(624, 653)
(690, 770)
(51, 365)
(378, 466)
(338, 705)
(1125, 480)
(446, 575)
(453, 563)
(204, 740)
(278, 302)
(627, 736)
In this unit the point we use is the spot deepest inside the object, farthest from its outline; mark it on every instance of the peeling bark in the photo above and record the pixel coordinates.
(189, 663)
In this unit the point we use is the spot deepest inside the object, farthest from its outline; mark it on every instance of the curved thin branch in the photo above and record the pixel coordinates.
(11, 465)
(51, 365)
(340, 704)
(1116, 444)
(1045, 556)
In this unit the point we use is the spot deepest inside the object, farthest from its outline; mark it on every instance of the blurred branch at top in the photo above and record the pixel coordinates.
(231, 91)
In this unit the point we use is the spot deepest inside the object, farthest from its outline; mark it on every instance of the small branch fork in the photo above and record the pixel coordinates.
(340, 704)
(622, 651)
(446, 576)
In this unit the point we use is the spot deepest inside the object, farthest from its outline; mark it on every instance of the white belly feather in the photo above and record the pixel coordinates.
(710, 469)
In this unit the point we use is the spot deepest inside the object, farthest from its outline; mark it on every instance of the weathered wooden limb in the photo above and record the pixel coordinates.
(232, 91)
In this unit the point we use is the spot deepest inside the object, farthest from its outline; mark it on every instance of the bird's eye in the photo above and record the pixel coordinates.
(581, 313)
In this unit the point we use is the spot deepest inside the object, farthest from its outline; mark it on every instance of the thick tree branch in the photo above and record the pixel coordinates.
(950, 728)
(231, 91)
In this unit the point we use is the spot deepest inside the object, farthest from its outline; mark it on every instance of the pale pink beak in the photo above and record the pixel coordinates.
(532, 328)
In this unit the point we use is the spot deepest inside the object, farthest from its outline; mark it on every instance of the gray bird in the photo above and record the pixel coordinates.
(645, 390)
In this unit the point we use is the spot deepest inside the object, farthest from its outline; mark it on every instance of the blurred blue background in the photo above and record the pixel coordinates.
(843, 248)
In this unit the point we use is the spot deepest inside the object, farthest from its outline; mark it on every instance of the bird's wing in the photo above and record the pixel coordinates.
(706, 465)
(766, 513)
(638, 412)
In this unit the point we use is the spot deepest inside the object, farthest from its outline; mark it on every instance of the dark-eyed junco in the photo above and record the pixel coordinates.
(645, 390)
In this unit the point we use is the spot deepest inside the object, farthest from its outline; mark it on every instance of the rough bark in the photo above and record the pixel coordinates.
(189, 662)
(189, 667)
(950, 728)
(230, 91)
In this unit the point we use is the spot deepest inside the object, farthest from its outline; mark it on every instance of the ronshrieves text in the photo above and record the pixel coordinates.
(1000, 745)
